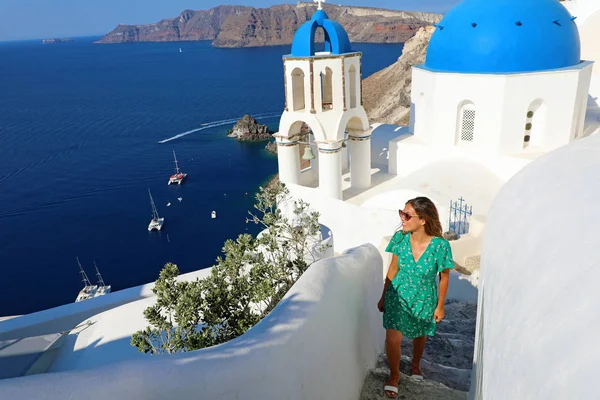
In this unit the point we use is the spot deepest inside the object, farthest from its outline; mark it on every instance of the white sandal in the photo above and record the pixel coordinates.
(393, 389)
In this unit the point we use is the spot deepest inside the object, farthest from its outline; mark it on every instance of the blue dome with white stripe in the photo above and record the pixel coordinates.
(504, 36)
(336, 37)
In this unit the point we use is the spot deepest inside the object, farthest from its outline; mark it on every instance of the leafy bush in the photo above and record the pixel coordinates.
(244, 285)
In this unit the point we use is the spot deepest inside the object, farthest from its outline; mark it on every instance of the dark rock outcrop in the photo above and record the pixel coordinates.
(271, 147)
(248, 129)
(238, 26)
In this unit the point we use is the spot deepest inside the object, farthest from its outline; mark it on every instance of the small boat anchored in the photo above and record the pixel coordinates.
(90, 291)
(156, 222)
(179, 176)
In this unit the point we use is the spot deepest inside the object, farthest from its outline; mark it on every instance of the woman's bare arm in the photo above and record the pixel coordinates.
(391, 273)
(444, 280)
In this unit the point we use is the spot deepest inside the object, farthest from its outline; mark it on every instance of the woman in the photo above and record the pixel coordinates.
(410, 302)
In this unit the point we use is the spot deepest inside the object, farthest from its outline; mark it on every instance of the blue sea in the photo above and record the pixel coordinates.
(79, 130)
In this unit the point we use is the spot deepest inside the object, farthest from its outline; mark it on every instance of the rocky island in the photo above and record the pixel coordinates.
(240, 26)
(56, 40)
(248, 129)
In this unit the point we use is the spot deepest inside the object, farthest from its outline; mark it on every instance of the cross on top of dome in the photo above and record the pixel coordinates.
(320, 5)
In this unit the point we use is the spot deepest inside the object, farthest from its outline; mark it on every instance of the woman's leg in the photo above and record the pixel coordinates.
(418, 349)
(393, 340)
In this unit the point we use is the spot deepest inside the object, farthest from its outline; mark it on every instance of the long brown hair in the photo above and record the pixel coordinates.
(427, 211)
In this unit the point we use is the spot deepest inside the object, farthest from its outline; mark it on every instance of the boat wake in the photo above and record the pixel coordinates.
(214, 124)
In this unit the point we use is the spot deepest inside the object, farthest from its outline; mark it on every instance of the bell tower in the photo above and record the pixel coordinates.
(323, 90)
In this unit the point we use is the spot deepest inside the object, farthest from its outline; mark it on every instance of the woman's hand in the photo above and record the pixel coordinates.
(439, 314)
(380, 304)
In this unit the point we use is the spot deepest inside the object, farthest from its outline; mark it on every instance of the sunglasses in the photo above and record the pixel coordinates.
(406, 216)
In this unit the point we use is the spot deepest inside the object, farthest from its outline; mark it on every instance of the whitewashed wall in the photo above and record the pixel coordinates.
(318, 343)
(540, 274)
(449, 173)
(590, 45)
(381, 136)
(351, 225)
(501, 103)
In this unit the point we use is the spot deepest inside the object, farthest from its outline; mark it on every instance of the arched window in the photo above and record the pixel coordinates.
(534, 124)
(327, 89)
(466, 123)
(353, 95)
(298, 97)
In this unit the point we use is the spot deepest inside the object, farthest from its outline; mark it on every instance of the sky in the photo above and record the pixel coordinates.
(39, 19)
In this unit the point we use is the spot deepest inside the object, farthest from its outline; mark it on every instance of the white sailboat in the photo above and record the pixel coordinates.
(179, 176)
(90, 291)
(156, 222)
(102, 287)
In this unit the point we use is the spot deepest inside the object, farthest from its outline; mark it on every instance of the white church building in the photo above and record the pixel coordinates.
(501, 86)
(504, 115)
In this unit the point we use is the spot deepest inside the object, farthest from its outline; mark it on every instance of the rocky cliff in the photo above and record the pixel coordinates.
(248, 129)
(386, 94)
(238, 26)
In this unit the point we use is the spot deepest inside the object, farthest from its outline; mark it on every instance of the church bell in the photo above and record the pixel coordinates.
(308, 154)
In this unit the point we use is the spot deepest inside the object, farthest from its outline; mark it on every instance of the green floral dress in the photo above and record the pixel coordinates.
(411, 298)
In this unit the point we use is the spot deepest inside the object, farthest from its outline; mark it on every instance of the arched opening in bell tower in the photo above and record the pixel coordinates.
(298, 95)
(353, 85)
(327, 89)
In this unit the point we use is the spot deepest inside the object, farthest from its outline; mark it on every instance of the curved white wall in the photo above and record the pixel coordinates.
(107, 339)
(318, 343)
(540, 273)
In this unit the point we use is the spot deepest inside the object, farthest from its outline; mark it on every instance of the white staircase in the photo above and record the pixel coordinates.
(446, 364)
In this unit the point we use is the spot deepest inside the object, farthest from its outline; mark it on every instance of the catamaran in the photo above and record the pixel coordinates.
(179, 176)
(156, 222)
(90, 291)
(102, 287)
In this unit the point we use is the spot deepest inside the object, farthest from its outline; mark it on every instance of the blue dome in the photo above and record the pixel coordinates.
(336, 38)
(504, 36)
